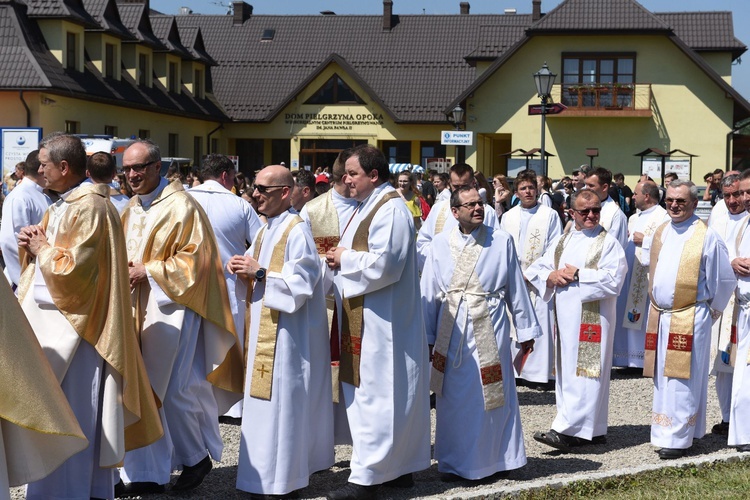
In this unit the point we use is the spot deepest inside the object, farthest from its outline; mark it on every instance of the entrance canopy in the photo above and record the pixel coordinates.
(395, 168)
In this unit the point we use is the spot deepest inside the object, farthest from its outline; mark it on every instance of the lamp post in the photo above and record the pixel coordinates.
(457, 117)
(544, 80)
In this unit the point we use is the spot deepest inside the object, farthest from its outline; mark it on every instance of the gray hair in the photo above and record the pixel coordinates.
(651, 190)
(586, 194)
(66, 147)
(730, 179)
(692, 188)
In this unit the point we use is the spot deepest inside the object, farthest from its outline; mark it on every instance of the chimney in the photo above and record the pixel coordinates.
(242, 12)
(465, 6)
(536, 10)
(387, 15)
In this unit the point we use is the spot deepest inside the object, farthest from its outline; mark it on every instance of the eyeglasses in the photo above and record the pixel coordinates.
(264, 189)
(138, 169)
(470, 204)
(679, 201)
(586, 212)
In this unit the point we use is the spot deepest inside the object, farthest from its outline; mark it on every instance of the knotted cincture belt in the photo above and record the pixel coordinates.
(682, 315)
(353, 308)
(265, 348)
(589, 363)
(465, 287)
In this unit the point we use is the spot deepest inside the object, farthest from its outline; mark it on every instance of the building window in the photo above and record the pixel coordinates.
(281, 150)
(173, 145)
(431, 150)
(198, 84)
(109, 60)
(397, 151)
(598, 79)
(215, 145)
(110, 130)
(71, 47)
(197, 150)
(72, 127)
(143, 70)
(335, 91)
(172, 77)
(144, 133)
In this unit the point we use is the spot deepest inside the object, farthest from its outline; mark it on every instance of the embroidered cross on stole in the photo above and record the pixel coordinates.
(682, 320)
(589, 363)
(352, 328)
(265, 349)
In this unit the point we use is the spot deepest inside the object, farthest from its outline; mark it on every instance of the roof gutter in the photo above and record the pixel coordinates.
(28, 111)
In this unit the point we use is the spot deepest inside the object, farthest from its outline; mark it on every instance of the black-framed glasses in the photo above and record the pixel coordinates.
(264, 189)
(679, 201)
(470, 204)
(138, 168)
(586, 212)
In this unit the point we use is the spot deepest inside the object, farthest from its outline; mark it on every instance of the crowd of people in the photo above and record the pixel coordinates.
(316, 309)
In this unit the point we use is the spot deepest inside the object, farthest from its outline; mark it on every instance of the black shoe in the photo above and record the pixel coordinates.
(721, 429)
(230, 420)
(405, 481)
(192, 476)
(744, 448)
(671, 453)
(351, 491)
(137, 489)
(554, 439)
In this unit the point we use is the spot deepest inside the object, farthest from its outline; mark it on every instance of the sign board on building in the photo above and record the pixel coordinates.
(457, 138)
(15, 145)
(236, 161)
(652, 168)
(295, 164)
(518, 165)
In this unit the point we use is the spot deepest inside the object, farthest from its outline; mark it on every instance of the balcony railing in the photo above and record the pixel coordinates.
(596, 99)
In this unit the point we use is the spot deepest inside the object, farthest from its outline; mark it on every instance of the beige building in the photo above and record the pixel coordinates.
(299, 89)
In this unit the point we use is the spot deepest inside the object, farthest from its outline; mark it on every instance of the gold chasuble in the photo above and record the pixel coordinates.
(181, 255)
(87, 278)
(324, 222)
(265, 349)
(589, 362)
(465, 287)
(38, 427)
(682, 321)
(353, 309)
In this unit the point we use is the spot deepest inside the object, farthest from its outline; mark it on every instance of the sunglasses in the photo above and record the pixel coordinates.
(138, 169)
(471, 204)
(585, 213)
(264, 189)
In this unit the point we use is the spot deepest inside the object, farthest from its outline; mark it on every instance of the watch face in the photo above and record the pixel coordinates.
(260, 274)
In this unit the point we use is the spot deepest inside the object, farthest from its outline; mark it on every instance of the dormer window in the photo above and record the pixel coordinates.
(198, 84)
(143, 70)
(335, 91)
(267, 35)
(110, 60)
(71, 50)
(172, 77)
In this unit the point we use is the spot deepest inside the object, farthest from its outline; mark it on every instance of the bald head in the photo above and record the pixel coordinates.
(278, 175)
(273, 190)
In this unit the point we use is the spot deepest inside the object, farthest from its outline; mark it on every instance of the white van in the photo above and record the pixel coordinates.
(113, 145)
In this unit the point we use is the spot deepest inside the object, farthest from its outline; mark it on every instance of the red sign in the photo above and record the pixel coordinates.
(552, 109)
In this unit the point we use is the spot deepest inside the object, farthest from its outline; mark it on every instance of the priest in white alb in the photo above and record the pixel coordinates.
(633, 303)
(234, 224)
(533, 226)
(472, 285)
(690, 277)
(288, 329)
(384, 354)
(612, 218)
(582, 271)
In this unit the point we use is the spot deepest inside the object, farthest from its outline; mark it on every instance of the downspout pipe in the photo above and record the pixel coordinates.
(208, 137)
(28, 111)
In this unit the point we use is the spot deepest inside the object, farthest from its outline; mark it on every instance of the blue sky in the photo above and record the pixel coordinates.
(740, 9)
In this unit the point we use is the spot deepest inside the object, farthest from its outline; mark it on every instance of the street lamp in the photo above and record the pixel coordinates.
(544, 80)
(457, 117)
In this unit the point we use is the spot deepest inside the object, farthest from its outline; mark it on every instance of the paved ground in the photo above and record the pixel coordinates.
(627, 450)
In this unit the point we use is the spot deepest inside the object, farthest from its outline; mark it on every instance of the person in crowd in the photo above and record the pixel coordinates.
(483, 186)
(234, 225)
(503, 193)
(442, 184)
(24, 206)
(544, 187)
(621, 193)
(280, 446)
(321, 183)
(713, 186)
(184, 320)
(583, 270)
(472, 272)
(633, 302)
(612, 219)
(532, 227)
(690, 275)
(101, 169)
(407, 191)
(304, 188)
(384, 355)
(76, 299)
(429, 193)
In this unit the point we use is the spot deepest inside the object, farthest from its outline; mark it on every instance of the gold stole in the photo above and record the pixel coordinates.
(638, 288)
(324, 220)
(265, 349)
(735, 306)
(589, 363)
(441, 217)
(465, 286)
(353, 309)
(680, 335)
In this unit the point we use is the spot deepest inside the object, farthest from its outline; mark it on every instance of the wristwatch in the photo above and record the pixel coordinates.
(260, 274)
(575, 275)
